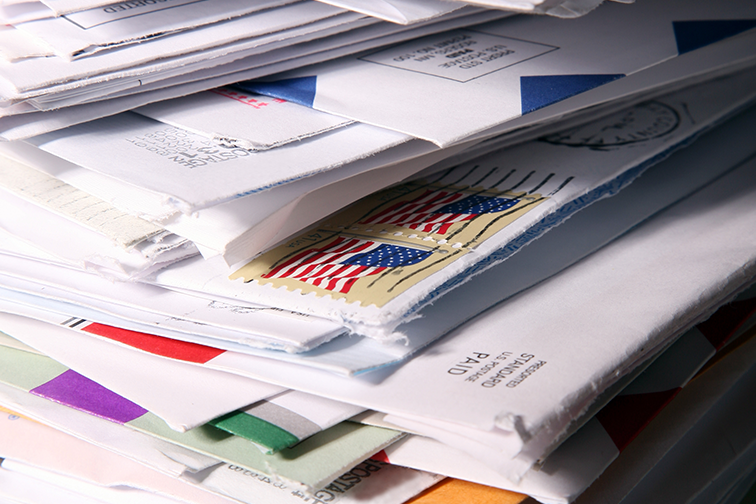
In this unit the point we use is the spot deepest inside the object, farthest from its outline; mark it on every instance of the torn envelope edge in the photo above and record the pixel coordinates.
(659, 187)
(313, 463)
(248, 67)
(576, 464)
(662, 376)
(380, 322)
(86, 249)
(389, 392)
(183, 396)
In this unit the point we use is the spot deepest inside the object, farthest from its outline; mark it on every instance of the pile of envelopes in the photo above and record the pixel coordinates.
(367, 252)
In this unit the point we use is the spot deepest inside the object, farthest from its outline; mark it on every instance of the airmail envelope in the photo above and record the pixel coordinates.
(446, 87)
(497, 372)
(378, 261)
(660, 186)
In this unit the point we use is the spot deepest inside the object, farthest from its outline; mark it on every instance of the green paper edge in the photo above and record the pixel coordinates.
(257, 430)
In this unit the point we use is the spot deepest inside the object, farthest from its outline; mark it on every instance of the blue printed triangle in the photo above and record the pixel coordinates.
(692, 35)
(300, 90)
(539, 91)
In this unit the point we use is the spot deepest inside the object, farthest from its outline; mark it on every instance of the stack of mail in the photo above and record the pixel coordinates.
(337, 251)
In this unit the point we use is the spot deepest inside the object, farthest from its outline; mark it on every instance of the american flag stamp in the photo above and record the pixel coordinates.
(387, 242)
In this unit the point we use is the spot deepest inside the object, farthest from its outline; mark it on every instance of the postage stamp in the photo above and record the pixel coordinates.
(389, 241)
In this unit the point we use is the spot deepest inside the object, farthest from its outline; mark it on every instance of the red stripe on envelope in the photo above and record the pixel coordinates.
(166, 347)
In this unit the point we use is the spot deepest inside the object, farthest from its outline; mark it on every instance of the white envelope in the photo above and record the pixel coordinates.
(507, 68)
(476, 375)
(36, 77)
(65, 292)
(303, 50)
(659, 186)
(433, 258)
(87, 32)
(189, 172)
(582, 458)
(243, 227)
(183, 396)
(236, 118)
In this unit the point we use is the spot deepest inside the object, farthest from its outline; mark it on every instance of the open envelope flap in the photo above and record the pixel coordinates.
(377, 262)
(503, 69)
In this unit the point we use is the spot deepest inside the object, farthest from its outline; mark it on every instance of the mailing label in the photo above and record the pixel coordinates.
(389, 241)
(459, 55)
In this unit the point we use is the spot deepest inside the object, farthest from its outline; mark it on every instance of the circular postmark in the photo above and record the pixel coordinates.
(640, 123)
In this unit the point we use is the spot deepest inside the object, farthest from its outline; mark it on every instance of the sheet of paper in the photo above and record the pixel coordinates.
(506, 68)
(398, 11)
(20, 488)
(87, 32)
(475, 214)
(192, 172)
(458, 491)
(663, 267)
(240, 119)
(88, 491)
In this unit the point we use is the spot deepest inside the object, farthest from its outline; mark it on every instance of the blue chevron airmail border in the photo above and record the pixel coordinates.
(300, 90)
(692, 35)
(536, 91)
